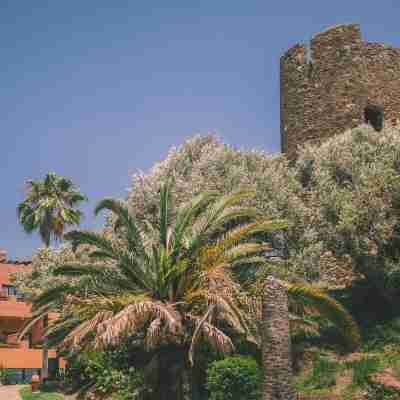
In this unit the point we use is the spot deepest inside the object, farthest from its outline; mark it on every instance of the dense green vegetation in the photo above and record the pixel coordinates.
(234, 378)
(174, 277)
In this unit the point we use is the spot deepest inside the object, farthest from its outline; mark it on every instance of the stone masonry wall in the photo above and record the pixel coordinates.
(276, 346)
(325, 89)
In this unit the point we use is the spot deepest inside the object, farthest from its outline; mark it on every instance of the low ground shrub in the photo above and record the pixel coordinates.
(124, 383)
(375, 391)
(5, 376)
(234, 378)
(26, 394)
(363, 368)
(322, 376)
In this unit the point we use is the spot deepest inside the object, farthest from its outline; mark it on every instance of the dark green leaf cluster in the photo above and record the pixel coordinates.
(50, 206)
(234, 378)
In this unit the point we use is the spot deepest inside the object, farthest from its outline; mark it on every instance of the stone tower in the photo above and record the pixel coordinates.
(328, 86)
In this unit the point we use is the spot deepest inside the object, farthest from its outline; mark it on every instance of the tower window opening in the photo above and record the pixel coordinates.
(373, 115)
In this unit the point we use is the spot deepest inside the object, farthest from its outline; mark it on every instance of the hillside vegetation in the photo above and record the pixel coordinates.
(340, 202)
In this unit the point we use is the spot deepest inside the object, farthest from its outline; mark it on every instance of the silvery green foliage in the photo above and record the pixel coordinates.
(354, 193)
(39, 277)
(340, 199)
(203, 163)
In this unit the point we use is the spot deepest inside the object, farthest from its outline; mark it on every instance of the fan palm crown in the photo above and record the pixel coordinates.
(50, 206)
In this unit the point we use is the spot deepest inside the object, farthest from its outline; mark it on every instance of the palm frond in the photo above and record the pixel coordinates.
(164, 201)
(214, 336)
(124, 220)
(78, 335)
(78, 238)
(154, 334)
(329, 308)
(133, 317)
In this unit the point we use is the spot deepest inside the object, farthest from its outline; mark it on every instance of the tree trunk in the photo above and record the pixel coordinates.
(195, 379)
(170, 375)
(276, 351)
(45, 362)
(45, 353)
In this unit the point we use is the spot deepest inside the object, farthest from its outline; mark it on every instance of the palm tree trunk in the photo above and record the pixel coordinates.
(170, 373)
(195, 383)
(276, 352)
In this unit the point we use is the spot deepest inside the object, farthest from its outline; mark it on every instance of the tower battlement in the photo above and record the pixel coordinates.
(327, 84)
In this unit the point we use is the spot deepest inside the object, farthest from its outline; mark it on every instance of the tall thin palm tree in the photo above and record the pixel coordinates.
(50, 206)
(170, 282)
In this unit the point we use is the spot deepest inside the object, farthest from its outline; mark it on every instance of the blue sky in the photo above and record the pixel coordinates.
(95, 90)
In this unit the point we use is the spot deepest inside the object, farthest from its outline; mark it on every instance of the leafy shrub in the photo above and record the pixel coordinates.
(380, 392)
(322, 375)
(234, 378)
(106, 373)
(363, 368)
(110, 378)
(5, 376)
(382, 334)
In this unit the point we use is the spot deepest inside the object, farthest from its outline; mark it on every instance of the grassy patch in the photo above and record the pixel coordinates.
(363, 368)
(320, 379)
(26, 394)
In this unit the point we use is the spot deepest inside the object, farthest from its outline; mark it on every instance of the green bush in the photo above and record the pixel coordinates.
(375, 391)
(5, 376)
(106, 373)
(363, 368)
(234, 378)
(123, 381)
(323, 373)
(322, 376)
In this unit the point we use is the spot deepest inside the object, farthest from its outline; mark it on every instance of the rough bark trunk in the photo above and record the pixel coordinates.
(276, 352)
(170, 373)
(45, 362)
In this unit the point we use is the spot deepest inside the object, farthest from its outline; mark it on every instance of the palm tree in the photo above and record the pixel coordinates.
(170, 282)
(168, 285)
(305, 302)
(50, 206)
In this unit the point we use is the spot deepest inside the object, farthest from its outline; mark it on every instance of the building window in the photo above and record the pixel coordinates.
(9, 290)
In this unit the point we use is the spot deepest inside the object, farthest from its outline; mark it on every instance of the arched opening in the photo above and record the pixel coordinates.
(373, 115)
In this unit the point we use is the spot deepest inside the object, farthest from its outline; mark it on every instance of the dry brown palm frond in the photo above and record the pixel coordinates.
(214, 336)
(83, 330)
(197, 332)
(219, 280)
(133, 318)
(153, 334)
(253, 305)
